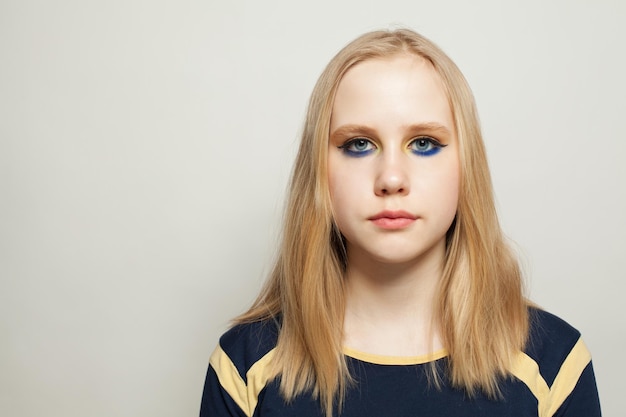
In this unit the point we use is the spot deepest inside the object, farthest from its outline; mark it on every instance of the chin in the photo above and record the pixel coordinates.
(402, 255)
(396, 258)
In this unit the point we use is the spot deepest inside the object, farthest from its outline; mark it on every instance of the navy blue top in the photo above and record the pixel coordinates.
(552, 377)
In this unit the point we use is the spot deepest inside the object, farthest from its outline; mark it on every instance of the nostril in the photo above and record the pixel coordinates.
(392, 190)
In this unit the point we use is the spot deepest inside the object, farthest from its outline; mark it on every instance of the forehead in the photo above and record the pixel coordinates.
(402, 89)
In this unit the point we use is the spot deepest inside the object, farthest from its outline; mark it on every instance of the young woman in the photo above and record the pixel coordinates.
(394, 292)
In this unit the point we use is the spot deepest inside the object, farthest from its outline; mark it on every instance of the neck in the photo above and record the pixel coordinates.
(389, 307)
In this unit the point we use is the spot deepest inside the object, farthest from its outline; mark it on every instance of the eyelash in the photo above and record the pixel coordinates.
(347, 147)
(434, 146)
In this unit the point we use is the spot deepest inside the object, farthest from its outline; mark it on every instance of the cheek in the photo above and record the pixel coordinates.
(345, 184)
(451, 188)
(346, 195)
(444, 191)
(450, 183)
(340, 209)
(340, 196)
(335, 191)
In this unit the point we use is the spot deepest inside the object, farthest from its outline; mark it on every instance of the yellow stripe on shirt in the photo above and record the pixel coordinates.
(230, 379)
(527, 371)
(549, 399)
(257, 377)
(567, 378)
(245, 396)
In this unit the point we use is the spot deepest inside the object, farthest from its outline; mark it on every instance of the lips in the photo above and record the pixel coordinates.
(393, 219)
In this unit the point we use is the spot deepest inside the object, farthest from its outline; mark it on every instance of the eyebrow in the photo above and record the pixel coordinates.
(430, 128)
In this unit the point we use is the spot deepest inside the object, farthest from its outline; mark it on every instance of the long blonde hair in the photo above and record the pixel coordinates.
(481, 310)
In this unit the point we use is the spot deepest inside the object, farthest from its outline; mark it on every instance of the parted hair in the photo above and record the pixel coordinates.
(480, 310)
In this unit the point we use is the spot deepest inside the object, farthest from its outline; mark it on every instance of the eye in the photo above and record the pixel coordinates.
(358, 147)
(425, 146)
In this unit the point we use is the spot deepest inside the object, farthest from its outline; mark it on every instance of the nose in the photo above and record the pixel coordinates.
(392, 177)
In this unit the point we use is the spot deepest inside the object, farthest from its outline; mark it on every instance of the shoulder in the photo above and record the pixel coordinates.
(551, 341)
(239, 369)
(545, 325)
(556, 367)
(246, 344)
(548, 333)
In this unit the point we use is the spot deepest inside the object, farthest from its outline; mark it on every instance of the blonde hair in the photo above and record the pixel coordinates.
(481, 310)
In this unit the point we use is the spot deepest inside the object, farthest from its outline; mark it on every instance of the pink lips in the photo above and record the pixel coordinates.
(392, 219)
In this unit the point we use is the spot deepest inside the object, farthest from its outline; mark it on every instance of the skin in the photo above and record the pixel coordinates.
(394, 183)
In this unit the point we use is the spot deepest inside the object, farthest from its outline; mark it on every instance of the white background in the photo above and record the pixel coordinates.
(145, 148)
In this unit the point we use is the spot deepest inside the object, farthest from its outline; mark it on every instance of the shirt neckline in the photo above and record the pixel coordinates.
(394, 360)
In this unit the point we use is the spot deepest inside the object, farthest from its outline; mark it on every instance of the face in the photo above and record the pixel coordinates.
(393, 166)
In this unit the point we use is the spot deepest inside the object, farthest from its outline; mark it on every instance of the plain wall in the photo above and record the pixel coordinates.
(145, 148)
